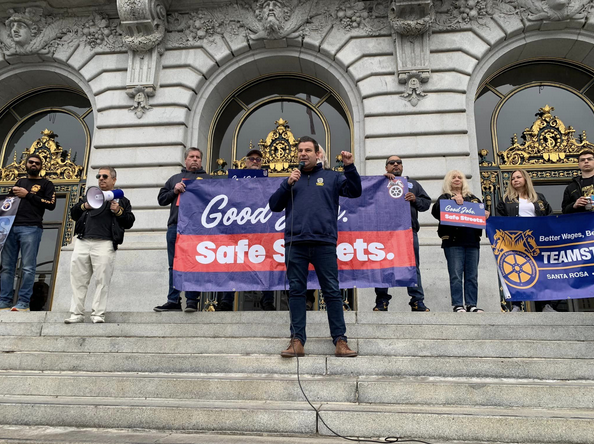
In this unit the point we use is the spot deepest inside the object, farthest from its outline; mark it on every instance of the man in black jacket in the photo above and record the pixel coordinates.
(168, 195)
(99, 232)
(419, 201)
(36, 195)
(580, 191)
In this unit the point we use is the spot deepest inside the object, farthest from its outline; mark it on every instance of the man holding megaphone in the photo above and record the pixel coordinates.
(101, 218)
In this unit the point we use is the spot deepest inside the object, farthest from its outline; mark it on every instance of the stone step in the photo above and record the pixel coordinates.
(519, 393)
(314, 346)
(422, 422)
(70, 435)
(235, 387)
(316, 317)
(250, 387)
(314, 330)
(515, 368)
(460, 423)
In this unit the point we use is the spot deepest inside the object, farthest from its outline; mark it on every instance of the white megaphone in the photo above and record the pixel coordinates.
(96, 197)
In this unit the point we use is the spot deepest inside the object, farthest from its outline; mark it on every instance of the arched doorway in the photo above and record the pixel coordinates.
(56, 123)
(535, 116)
(306, 105)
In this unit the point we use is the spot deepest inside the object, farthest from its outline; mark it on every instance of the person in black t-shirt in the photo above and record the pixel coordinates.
(36, 195)
(99, 232)
(578, 194)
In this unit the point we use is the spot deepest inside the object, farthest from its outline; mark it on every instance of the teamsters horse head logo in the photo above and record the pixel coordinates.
(514, 251)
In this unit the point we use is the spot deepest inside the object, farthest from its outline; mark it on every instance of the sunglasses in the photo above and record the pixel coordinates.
(33, 162)
(102, 176)
(255, 159)
(392, 162)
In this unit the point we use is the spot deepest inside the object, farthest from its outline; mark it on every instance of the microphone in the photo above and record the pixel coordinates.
(300, 168)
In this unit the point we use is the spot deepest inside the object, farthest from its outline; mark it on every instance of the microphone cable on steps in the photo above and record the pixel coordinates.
(389, 439)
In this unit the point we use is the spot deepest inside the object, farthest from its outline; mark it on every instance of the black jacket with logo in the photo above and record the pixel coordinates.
(41, 197)
(452, 236)
(119, 222)
(507, 207)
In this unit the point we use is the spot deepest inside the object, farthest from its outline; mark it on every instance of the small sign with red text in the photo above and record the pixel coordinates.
(466, 215)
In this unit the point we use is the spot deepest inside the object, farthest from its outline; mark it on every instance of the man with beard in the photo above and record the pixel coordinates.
(36, 195)
(168, 195)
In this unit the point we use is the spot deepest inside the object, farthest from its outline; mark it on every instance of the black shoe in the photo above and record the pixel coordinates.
(418, 306)
(268, 307)
(169, 306)
(381, 305)
(224, 307)
(191, 306)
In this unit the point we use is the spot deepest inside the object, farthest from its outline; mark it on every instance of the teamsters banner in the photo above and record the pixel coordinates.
(229, 240)
(544, 258)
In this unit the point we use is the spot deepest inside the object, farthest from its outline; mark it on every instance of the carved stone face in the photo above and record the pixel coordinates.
(21, 33)
(272, 11)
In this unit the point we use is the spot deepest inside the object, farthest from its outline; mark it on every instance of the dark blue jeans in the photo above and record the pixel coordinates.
(323, 258)
(416, 293)
(26, 240)
(463, 270)
(173, 295)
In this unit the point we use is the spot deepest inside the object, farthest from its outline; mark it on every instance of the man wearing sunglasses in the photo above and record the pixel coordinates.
(99, 231)
(36, 195)
(253, 161)
(419, 201)
(168, 196)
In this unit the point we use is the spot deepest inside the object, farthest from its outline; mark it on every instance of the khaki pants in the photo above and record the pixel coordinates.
(91, 256)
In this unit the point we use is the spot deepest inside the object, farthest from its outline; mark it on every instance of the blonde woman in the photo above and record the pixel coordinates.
(521, 200)
(321, 155)
(461, 246)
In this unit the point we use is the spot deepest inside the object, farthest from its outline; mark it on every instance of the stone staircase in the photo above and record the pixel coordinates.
(514, 378)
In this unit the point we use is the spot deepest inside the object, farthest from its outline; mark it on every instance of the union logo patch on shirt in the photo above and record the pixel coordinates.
(320, 182)
(35, 188)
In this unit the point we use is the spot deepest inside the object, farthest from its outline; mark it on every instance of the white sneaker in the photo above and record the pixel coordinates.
(548, 309)
(516, 309)
(74, 319)
(98, 319)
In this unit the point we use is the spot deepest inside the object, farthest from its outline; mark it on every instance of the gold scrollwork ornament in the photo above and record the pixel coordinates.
(57, 164)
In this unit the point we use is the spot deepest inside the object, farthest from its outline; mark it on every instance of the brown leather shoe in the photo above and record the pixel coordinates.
(295, 349)
(343, 350)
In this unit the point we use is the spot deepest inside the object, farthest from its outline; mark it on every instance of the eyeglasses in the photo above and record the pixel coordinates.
(255, 159)
(102, 176)
(34, 162)
(392, 162)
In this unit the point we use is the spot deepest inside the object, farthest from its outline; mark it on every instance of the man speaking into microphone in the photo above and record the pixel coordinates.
(310, 198)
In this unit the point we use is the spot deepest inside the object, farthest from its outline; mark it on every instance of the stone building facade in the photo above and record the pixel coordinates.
(406, 77)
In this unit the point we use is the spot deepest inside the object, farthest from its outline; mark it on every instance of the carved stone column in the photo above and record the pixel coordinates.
(143, 22)
(411, 22)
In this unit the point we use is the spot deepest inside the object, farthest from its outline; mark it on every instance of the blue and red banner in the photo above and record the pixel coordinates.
(229, 240)
(468, 214)
(544, 258)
